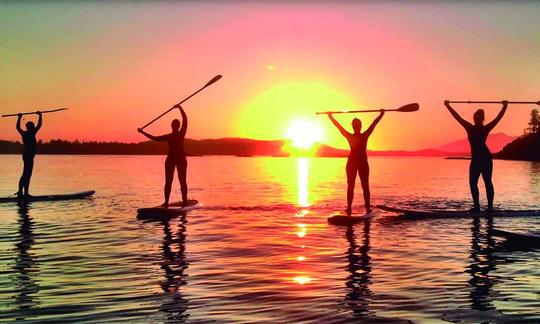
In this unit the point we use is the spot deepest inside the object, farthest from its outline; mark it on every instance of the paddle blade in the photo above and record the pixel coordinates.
(409, 108)
(214, 79)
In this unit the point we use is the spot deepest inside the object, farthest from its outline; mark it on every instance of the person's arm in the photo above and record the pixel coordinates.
(375, 122)
(152, 137)
(497, 119)
(19, 129)
(338, 125)
(40, 121)
(183, 129)
(456, 116)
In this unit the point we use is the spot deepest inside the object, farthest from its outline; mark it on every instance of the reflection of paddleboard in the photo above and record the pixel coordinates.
(173, 209)
(413, 213)
(519, 238)
(344, 219)
(76, 195)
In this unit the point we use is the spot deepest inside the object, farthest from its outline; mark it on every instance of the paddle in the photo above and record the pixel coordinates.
(407, 108)
(214, 79)
(496, 102)
(35, 112)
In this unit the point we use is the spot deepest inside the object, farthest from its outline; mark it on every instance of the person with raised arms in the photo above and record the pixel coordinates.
(176, 157)
(357, 162)
(29, 152)
(481, 160)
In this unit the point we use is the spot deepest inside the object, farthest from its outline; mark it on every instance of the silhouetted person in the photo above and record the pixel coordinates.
(29, 141)
(176, 157)
(357, 162)
(481, 160)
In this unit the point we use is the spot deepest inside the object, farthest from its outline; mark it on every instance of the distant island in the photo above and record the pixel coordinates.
(526, 147)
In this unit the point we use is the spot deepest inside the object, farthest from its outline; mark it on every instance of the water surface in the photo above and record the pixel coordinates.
(261, 248)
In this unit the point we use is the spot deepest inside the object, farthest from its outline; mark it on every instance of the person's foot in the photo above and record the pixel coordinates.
(348, 211)
(489, 209)
(19, 195)
(474, 210)
(368, 211)
(165, 204)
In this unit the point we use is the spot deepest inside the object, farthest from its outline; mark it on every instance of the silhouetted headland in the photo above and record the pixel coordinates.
(526, 147)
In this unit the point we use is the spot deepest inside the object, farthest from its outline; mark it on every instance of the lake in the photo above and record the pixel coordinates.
(261, 249)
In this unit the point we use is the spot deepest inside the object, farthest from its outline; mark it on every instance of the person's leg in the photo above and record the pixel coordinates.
(182, 177)
(22, 179)
(487, 172)
(169, 173)
(28, 168)
(351, 179)
(363, 172)
(474, 175)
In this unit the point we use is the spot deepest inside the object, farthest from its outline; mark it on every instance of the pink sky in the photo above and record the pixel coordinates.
(116, 66)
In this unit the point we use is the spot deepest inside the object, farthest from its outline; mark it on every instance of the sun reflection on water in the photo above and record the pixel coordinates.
(302, 200)
(303, 192)
(302, 279)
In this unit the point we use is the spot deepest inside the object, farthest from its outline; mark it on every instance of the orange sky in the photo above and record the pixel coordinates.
(118, 65)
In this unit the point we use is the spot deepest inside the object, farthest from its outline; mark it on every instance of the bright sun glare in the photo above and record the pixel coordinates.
(303, 134)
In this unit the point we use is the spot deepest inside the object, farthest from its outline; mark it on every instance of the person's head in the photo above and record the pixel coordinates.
(30, 126)
(175, 125)
(356, 125)
(479, 117)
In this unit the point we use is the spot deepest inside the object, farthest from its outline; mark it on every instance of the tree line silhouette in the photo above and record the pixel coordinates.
(224, 146)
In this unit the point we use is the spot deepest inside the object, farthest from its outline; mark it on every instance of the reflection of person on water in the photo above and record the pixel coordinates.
(481, 160)
(174, 304)
(359, 267)
(357, 162)
(176, 157)
(25, 267)
(29, 141)
(482, 263)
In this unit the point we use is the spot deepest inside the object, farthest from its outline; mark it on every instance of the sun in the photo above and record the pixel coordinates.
(303, 134)
(287, 109)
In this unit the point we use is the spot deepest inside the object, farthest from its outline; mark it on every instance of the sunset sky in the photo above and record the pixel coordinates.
(118, 65)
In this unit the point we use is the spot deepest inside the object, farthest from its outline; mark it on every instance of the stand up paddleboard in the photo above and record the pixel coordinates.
(172, 210)
(524, 239)
(414, 213)
(76, 195)
(344, 219)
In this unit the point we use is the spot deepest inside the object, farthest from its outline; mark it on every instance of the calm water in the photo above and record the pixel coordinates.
(261, 249)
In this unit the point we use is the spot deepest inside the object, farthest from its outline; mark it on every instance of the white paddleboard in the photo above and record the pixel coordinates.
(68, 196)
(173, 209)
(344, 219)
(413, 213)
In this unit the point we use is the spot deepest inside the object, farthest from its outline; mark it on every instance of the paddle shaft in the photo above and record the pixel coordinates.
(35, 112)
(354, 111)
(178, 104)
(496, 102)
